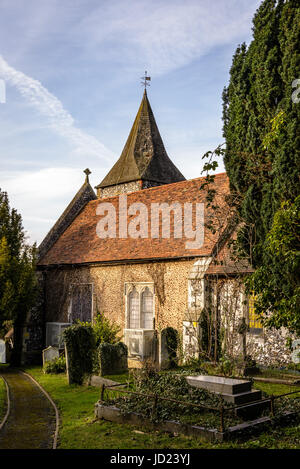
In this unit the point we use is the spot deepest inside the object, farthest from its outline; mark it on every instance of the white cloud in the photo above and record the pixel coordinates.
(164, 35)
(59, 120)
(41, 196)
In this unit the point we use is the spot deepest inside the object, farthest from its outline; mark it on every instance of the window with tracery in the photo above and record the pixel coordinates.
(140, 306)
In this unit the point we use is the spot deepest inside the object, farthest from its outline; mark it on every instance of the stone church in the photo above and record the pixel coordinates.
(136, 252)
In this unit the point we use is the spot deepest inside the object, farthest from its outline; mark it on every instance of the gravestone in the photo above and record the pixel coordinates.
(219, 384)
(163, 351)
(113, 358)
(50, 353)
(168, 358)
(2, 351)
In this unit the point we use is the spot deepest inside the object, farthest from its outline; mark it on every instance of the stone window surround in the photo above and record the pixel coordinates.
(70, 296)
(140, 288)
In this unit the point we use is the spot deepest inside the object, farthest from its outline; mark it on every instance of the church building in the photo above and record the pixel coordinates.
(141, 250)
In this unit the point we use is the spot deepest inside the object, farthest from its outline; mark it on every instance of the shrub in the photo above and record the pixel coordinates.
(112, 358)
(104, 330)
(55, 366)
(80, 344)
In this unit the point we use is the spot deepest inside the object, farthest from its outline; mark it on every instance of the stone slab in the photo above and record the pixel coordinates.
(219, 384)
(253, 410)
(243, 398)
(113, 414)
(97, 381)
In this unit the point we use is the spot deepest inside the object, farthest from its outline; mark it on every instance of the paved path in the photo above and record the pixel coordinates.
(31, 422)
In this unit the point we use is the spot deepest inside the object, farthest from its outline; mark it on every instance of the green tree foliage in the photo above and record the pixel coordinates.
(104, 330)
(262, 132)
(283, 248)
(18, 286)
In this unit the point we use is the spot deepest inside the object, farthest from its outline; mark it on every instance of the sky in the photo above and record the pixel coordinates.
(70, 87)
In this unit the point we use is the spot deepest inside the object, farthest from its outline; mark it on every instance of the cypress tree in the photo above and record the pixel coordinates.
(261, 129)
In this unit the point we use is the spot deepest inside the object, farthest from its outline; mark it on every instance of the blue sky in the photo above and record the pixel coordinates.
(72, 73)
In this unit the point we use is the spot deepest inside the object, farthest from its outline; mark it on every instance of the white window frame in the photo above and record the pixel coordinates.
(140, 287)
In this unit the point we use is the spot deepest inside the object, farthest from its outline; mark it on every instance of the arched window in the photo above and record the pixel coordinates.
(134, 310)
(147, 309)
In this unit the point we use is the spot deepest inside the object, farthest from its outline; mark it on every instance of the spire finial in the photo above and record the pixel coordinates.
(145, 79)
(87, 172)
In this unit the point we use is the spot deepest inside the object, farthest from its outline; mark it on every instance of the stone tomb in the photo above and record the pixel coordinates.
(235, 391)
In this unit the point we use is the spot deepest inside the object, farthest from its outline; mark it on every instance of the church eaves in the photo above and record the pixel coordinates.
(144, 157)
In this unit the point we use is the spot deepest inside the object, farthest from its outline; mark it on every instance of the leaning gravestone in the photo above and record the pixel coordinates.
(50, 353)
(2, 351)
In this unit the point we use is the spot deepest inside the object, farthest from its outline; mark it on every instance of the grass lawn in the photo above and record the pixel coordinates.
(79, 429)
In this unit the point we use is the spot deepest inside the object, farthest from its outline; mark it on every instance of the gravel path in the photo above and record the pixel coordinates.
(31, 421)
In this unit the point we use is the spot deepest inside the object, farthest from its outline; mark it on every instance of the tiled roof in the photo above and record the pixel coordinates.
(79, 243)
(225, 264)
(144, 156)
(83, 196)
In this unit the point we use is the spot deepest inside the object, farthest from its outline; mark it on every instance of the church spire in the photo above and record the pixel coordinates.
(144, 161)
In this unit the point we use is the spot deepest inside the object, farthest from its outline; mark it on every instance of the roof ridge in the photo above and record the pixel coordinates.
(157, 188)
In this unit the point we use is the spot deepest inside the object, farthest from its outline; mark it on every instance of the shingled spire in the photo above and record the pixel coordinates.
(144, 161)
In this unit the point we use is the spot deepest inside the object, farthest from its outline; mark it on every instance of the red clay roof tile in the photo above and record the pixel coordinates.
(80, 244)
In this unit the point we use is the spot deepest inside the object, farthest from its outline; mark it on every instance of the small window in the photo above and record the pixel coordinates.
(147, 309)
(134, 310)
(255, 325)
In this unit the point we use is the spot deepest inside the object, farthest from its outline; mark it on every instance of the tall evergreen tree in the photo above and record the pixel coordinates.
(18, 286)
(262, 133)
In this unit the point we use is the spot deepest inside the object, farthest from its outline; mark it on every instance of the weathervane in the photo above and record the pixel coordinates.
(145, 79)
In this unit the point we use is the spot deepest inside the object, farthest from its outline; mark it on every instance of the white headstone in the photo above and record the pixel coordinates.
(2, 351)
(296, 351)
(50, 353)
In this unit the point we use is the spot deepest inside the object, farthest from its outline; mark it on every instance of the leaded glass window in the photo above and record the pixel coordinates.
(147, 309)
(134, 310)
